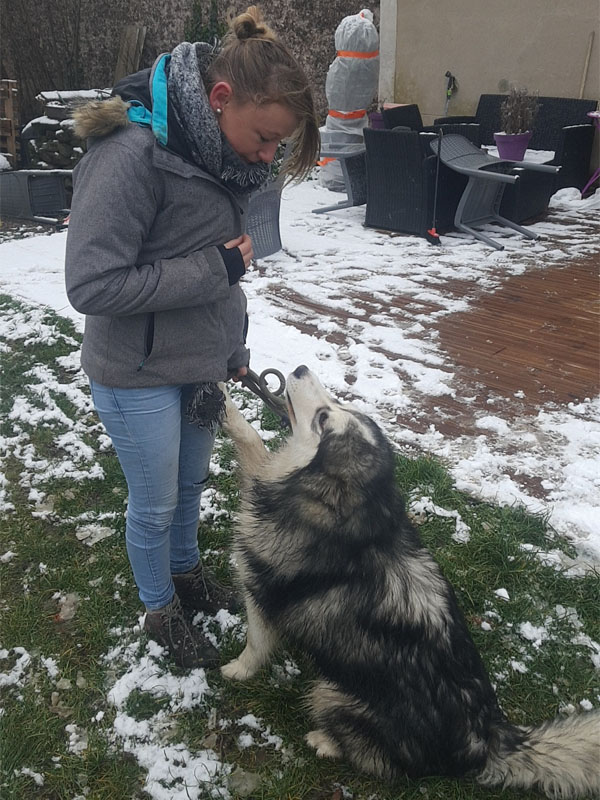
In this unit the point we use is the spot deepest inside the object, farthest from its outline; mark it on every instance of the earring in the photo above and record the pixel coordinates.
(219, 111)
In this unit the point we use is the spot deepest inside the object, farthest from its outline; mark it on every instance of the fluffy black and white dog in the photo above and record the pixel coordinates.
(329, 561)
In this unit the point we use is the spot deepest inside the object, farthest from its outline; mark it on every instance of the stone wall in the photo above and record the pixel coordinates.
(83, 54)
(103, 21)
(307, 28)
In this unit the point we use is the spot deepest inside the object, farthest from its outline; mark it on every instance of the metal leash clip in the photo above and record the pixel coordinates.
(257, 384)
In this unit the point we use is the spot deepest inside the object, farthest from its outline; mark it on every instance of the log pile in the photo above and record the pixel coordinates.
(50, 141)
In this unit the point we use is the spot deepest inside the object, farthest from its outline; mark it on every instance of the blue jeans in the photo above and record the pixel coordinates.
(165, 460)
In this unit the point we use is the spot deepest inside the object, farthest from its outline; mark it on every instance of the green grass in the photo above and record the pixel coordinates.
(77, 665)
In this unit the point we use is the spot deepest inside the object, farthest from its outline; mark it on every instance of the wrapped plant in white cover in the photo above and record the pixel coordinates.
(350, 86)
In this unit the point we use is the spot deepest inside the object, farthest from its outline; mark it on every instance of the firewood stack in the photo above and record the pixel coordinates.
(49, 140)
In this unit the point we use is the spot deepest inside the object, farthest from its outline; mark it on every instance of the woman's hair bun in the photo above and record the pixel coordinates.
(250, 25)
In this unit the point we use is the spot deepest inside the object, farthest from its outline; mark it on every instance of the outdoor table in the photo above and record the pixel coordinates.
(533, 156)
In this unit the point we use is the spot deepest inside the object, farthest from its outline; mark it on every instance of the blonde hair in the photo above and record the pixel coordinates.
(262, 70)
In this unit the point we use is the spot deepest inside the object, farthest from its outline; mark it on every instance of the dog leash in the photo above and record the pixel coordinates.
(257, 384)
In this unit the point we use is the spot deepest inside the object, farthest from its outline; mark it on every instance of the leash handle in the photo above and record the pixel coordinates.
(257, 384)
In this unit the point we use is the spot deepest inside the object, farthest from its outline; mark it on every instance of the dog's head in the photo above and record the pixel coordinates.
(339, 440)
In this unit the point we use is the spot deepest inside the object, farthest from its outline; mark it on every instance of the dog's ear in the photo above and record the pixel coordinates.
(322, 421)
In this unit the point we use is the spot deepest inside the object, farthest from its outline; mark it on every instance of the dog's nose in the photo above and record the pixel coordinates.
(300, 371)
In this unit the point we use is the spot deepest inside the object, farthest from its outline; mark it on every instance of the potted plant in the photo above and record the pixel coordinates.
(374, 114)
(517, 115)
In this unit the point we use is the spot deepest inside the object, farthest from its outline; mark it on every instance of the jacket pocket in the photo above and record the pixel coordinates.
(149, 335)
(148, 339)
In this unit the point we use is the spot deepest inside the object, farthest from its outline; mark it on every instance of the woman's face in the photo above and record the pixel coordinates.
(254, 132)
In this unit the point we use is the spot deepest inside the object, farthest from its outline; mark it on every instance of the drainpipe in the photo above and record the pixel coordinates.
(388, 32)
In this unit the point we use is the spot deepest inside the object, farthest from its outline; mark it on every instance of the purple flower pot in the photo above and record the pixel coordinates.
(376, 119)
(512, 146)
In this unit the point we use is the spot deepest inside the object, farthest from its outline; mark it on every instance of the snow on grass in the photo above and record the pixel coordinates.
(172, 770)
(388, 363)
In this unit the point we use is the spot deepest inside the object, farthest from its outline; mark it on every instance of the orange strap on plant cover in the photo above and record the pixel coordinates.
(347, 114)
(357, 54)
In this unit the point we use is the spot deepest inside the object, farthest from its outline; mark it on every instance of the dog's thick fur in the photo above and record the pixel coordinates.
(329, 560)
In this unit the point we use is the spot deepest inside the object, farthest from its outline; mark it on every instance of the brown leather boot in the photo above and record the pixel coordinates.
(187, 645)
(198, 590)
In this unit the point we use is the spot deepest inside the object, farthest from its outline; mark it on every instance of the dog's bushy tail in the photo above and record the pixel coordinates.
(560, 758)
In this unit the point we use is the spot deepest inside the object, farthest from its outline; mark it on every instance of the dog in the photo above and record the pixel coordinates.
(329, 561)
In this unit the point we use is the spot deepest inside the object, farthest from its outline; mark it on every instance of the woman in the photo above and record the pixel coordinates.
(155, 252)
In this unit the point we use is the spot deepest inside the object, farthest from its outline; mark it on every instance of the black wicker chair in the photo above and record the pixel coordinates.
(561, 125)
(262, 220)
(409, 116)
(401, 179)
(37, 194)
(405, 116)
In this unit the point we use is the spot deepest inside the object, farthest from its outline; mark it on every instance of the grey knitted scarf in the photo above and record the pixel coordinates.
(208, 146)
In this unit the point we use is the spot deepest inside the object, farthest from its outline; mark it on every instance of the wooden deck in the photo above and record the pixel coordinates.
(528, 339)
(534, 341)
(539, 335)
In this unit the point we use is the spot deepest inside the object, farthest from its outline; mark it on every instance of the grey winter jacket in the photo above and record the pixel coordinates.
(142, 264)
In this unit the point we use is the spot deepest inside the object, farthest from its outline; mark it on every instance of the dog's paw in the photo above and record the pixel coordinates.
(323, 744)
(236, 670)
(232, 413)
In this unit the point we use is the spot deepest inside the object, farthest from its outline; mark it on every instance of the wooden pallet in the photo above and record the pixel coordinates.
(9, 122)
(130, 50)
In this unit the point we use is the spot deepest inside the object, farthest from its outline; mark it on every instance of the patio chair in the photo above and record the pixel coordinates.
(262, 221)
(38, 194)
(481, 199)
(351, 158)
(409, 116)
(401, 180)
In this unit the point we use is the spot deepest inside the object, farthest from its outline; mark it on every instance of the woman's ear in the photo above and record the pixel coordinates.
(219, 96)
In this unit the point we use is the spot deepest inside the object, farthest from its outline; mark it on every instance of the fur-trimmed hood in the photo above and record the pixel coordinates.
(100, 117)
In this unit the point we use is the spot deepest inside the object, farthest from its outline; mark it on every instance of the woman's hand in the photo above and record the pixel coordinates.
(237, 374)
(244, 244)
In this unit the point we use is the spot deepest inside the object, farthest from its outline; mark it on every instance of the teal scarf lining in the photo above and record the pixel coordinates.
(157, 118)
